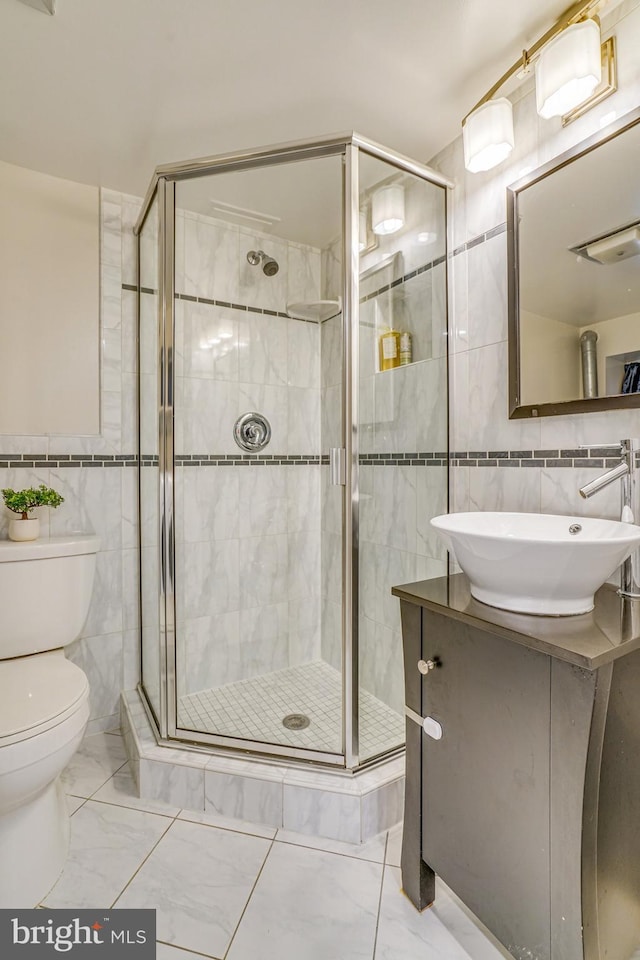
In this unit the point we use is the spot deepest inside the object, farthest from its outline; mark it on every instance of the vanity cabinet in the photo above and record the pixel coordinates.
(523, 785)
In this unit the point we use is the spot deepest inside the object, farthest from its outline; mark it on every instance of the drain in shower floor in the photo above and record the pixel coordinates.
(296, 721)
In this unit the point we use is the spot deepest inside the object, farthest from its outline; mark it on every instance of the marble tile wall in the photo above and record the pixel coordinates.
(96, 477)
(400, 411)
(314, 802)
(257, 541)
(478, 324)
(248, 537)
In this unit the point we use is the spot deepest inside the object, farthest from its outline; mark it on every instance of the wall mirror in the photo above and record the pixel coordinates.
(574, 279)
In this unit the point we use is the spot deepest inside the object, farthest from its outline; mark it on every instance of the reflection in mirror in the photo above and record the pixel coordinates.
(575, 280)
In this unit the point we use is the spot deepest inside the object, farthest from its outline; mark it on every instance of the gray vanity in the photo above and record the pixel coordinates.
(523, 768)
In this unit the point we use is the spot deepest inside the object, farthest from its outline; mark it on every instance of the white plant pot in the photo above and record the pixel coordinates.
(20, 529)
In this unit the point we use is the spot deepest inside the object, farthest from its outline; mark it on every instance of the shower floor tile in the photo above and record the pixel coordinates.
(254, 710)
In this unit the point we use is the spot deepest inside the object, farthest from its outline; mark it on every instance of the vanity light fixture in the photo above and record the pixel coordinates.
(487, 135)
(574, 72)
(387, 209)
(568, 69)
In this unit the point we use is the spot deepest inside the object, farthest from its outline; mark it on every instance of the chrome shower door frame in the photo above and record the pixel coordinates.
(348, 146)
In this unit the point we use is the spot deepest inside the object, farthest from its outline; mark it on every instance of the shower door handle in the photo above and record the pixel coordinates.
(337, 466)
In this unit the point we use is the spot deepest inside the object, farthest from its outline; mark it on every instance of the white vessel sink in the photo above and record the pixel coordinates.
(534, 563)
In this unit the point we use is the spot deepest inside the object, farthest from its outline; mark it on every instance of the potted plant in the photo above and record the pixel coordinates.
(22, 502)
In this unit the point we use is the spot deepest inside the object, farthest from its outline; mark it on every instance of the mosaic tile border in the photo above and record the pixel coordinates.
(243, 460)
(229, 305)
(481, 238)
(407, 276)
(570, 457)
(25, 460)
(431, 459)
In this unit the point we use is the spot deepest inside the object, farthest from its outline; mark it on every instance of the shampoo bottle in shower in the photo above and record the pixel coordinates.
(389, 349)
(406, 348)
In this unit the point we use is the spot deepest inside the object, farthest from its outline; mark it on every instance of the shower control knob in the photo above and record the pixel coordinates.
(424, 666)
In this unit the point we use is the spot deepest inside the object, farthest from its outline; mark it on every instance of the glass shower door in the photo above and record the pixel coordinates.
(149, 342)
(258, 340)
(402, 425)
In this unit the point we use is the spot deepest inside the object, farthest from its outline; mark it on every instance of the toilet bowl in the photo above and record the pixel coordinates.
(44, 707)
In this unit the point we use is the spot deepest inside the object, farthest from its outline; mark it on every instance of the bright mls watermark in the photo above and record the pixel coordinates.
(80, 934)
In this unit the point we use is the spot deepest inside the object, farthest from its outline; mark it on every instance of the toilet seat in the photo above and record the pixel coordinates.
(37, 693)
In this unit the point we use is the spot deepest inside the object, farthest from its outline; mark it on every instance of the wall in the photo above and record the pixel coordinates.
(550, 369)
(546, 468)
(248, 528)
(618, 342)
(550, 358)
(403, 473)
(96, 476)
(49, 230)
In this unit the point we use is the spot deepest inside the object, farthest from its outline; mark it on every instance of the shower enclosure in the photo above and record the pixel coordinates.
(292, 443)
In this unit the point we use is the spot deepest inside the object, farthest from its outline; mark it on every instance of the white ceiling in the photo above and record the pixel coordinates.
(106, 90)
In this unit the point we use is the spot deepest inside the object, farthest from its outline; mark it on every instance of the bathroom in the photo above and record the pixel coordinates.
(212, 834)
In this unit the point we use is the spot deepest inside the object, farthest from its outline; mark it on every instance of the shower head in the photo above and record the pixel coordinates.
(269, 266)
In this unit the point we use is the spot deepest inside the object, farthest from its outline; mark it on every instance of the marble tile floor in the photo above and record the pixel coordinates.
(231, 890)
(254, 709)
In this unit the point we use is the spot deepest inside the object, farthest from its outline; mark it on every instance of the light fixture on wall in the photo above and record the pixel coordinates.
(569, 69)
(487, 135)
(387, 209)
(574, 72)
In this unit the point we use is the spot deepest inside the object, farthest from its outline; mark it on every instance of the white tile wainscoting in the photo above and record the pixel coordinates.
(322, 803)
(226, 889)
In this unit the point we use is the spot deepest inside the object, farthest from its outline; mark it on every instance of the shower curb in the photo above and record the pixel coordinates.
(327, 803)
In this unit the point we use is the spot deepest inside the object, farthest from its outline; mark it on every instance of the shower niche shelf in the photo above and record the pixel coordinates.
(314, 311)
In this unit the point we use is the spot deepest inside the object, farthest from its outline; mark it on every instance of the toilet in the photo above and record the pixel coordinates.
(45, 591)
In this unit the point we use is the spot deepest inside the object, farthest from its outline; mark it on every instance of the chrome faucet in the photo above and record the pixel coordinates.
(626, 471)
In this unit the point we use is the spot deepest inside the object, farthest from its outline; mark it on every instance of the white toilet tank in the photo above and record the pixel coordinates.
(45, 591)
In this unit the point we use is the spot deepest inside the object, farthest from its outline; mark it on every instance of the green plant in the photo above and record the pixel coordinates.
(22, 501)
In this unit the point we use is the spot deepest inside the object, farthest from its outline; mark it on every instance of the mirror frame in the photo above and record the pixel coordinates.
(565, 407)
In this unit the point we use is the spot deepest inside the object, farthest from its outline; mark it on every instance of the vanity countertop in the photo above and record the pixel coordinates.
(588, 640)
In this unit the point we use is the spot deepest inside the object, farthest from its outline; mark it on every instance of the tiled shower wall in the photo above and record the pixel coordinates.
(255, 519)
(248, 527)
(530, 479)
(403, 467)
(403, 438)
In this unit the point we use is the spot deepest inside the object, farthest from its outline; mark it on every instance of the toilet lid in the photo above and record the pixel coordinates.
(36, 691)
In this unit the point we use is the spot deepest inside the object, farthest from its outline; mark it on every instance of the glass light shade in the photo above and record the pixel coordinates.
(387, 209)
(487, 135)
(362, 231)
(569, 69)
